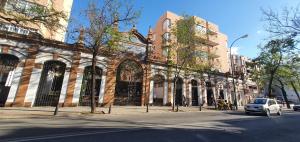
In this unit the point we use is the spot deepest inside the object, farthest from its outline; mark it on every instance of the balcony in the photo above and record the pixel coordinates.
(208, 39)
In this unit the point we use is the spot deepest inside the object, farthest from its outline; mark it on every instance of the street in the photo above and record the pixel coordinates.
(207, 126)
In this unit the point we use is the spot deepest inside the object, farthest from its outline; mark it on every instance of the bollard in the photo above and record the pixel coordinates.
(109, 109)
(200, 107)
(56, 109)
(147, 110)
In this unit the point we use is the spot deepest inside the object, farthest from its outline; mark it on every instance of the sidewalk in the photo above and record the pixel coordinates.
(38, 112)
(25, 112)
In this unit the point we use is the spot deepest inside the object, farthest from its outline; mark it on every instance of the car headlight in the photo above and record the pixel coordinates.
(261, 107)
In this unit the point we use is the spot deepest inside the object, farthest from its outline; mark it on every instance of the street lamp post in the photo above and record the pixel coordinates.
(232, 69)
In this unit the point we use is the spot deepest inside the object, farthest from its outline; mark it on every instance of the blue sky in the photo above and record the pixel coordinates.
(234, 17)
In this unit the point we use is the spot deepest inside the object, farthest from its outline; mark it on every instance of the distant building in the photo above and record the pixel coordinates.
(213, 40)
(242, 71)
(23, 6)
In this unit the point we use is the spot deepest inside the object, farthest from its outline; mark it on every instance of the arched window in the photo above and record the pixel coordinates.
(129, 84)
(50, 83)
(158, 89)
(8, 64)
(195, 96)
(166, 37)
(179, 92)
(166, 24)
(86, 91)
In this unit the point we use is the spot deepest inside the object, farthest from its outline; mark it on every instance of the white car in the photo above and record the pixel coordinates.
(265, 106)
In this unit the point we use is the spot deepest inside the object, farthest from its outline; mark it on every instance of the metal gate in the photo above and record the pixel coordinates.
(179, 92)
(210, 94)
(128, 93)
(86, 91)
(7, 65)
(129, 84)
(158, 95)
(50, 84)
(195, 95)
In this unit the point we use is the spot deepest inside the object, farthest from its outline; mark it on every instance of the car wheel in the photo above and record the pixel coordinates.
(279, 112)
(295, 109)
(247, 113)
(268, 113)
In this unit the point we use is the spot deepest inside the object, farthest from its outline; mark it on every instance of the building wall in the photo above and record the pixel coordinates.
(219, 39)
(59, 5)
(33, 53)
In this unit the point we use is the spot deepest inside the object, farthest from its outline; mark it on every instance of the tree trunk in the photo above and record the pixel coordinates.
(270, 85)
(93, 104)
(174, 93)
(216, 93)
(284, 94)
(294, 87)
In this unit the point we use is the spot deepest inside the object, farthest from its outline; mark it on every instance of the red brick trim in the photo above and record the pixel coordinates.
(72, 79)
(25, 78)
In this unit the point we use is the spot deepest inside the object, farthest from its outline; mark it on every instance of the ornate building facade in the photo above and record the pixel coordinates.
(36, 71)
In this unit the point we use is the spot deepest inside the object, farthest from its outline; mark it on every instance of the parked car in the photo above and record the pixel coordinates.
(296, 107)
(265, 106)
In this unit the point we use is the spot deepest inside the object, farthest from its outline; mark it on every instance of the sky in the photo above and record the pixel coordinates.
(234, 17)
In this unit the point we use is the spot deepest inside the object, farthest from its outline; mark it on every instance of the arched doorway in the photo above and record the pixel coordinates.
(210, 94)
(222, 96)
(86, 91)
(8, 63)
(179, 92)
(195, 96)
(129, 84)
(50, 84)
(158, 90)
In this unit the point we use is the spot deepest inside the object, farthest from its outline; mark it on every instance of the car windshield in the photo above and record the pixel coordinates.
(260, 101)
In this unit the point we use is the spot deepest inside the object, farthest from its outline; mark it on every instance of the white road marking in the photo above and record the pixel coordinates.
(47, 137)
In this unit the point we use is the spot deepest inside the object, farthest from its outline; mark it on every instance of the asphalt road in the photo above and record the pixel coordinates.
(168, 127)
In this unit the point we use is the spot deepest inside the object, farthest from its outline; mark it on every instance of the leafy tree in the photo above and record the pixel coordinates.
(285, 24)
(100, 34)
(186, 51)
(271, 59)
(33, 14)
(289, 73)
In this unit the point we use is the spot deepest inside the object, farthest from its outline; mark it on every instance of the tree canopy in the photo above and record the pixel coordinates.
(22, 13)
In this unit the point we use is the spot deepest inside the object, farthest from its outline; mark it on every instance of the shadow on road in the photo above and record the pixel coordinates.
(84, 129)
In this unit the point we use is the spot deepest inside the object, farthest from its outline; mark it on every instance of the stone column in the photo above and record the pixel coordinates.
(72, 80)
(146, 85)
(77, 88)
(199, 93)
(63, 91)
(151, 91)
(102, 87)
(204, 95)
(25, 77)
(109, 90)
(166, 88)
(184, 89)
(16, 76)
(189, 92)
(170, 92)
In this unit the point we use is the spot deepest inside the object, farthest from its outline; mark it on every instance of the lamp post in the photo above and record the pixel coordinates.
(232, 69)
(56, 74)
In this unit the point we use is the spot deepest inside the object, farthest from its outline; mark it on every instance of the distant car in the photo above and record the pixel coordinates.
(296, 107)
(265, 106)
